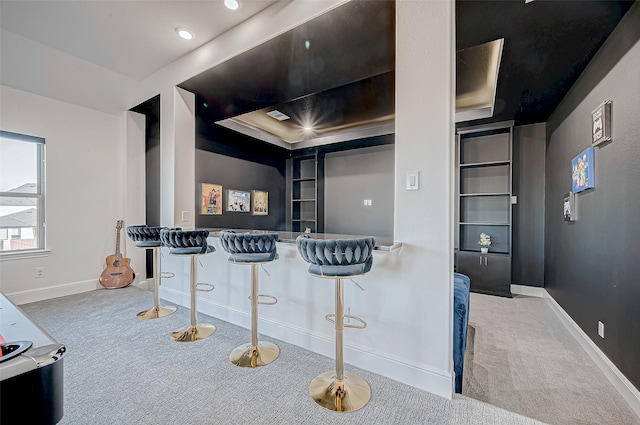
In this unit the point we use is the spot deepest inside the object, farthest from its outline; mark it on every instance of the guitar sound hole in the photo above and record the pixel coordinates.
(116, 274)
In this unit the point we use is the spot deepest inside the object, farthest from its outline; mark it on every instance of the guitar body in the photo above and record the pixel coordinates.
(116, 275)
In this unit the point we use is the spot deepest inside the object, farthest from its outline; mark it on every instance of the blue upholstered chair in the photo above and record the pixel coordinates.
(338, 259)
(191, 243)
(461, 285)
(254, 250)
(149, 238)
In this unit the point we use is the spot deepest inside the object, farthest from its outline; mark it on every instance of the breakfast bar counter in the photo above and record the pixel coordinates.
(382, 298)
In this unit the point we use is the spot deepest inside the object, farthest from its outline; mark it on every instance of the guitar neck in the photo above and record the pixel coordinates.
(118, 254)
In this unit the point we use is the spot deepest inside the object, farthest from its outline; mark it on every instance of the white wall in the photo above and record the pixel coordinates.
(84, 193)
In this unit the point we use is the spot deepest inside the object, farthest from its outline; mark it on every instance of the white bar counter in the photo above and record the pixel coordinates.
(389, 346)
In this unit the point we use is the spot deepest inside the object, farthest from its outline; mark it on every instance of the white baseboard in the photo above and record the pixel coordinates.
(418, 376)
(529, 291)
(41, 294)
(628, 391)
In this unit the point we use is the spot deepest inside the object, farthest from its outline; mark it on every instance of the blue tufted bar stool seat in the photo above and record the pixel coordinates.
(338, 259)
(191, 243)
(149, 238)
(253, 249)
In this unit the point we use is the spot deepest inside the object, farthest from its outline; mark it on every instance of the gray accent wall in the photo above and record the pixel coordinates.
(527, 267)
(351, 177)
(592, 267)
(240, 174)
(239, 162)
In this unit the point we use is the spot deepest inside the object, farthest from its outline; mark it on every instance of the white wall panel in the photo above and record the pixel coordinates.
(84, 189)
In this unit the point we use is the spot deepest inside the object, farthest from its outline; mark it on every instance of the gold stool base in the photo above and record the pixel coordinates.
(156, 312)
(193, 333)
(247, 355)
(347, 396)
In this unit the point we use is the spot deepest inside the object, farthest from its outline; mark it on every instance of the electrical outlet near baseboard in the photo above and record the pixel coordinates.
(601, 329)
(39, 272)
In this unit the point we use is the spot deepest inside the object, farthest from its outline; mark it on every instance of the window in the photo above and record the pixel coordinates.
(21, 192)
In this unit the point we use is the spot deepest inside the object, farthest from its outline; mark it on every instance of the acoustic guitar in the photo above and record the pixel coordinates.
(117, 274)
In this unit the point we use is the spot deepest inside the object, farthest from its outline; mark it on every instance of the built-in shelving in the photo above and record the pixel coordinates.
(484, 206)
(307, 172)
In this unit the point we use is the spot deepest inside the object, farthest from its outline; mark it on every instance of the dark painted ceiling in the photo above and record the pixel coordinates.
(346, 47)
(547, 46)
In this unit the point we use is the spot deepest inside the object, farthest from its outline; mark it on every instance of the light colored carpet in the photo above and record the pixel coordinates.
(522, 358)
(123, 370)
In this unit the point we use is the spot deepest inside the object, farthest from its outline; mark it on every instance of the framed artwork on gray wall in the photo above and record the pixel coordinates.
(260, 202)
(211, 196)
(601, 123)
(238, 201)
(582, 171)
(569, 206)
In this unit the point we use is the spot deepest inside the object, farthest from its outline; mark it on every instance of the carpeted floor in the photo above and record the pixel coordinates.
(521, 357)
(123, 370)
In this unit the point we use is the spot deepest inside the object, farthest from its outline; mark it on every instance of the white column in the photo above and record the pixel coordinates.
(177, 158)
(425, 102)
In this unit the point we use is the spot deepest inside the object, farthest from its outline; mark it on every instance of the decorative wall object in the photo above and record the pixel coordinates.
(582, 171)
(211, 199)
(238, 200)
(569, 206)
(260, 202)
(601, 123)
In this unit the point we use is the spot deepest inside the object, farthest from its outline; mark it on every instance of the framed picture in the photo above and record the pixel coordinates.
(211, 199)
(238, 200)
(569, 206)
(260, 202)
(601, 123)
(582, 171)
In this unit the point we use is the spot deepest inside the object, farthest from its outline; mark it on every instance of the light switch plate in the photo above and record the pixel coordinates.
(413, 180)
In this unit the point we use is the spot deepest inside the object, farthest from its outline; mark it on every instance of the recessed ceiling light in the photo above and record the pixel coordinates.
(232, 4)
(308, 128)
(184, 33)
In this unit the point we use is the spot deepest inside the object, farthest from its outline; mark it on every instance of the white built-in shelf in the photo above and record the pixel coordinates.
(303, 200)
(306, 179)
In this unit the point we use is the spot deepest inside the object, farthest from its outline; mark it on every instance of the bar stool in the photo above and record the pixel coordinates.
(338, 259)
(149, 238)
(255, 250)
(192, 243)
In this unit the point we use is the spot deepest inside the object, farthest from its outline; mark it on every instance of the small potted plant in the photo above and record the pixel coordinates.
(484, 242)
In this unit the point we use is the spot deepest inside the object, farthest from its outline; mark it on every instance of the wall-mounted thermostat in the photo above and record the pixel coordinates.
(413, 180)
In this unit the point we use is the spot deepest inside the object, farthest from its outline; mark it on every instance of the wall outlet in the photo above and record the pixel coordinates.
(39, 272)
(185, 216)
(601, 329)
(367, 201)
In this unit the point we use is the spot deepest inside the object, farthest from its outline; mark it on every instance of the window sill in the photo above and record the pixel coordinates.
(22, 255)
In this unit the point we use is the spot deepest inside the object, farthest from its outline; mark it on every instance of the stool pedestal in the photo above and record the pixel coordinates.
(256, 353)
(338, 390)
(193, 332)
(157, 311)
